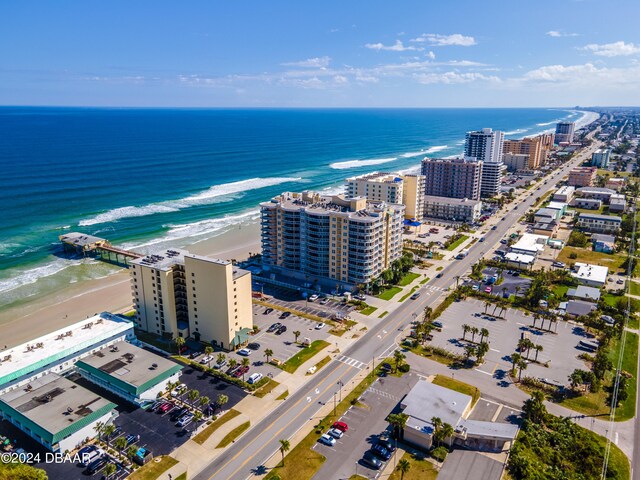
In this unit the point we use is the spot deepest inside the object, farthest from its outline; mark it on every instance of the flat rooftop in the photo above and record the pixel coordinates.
(138, 369)
(80, 239)
(450, 201)
(530, 243)
(604, 218)
(378, 177)
(55, 403)
(591, 272)
(166, 259)
(28, 357)
(426, 400)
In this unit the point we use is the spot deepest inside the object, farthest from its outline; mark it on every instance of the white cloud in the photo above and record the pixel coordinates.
(558, 33)
(451, 78)
(431, 55)
(456, 39)
(560, 73)
(396, 47)
(315, 62)
(615, 49)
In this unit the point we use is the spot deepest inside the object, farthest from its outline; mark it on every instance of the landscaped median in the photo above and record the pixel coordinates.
(233, 434)
(303, 355)
(202, 437)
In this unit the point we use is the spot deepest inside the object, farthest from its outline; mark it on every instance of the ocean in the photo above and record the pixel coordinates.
(150, 178)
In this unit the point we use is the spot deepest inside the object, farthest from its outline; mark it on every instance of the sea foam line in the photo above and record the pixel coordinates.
(361, 163)
(217, 193)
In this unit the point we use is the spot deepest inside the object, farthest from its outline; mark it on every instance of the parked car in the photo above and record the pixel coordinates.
(386, 367)
(313, 298)
(131, 439)
(155, 406)
(221, 364)
(281, 330)
(386, 444)
(481, 239)
(487, 290)
(324, 301)
(437, 324)
(97, 465)
(370, 460)
(335, 433)
(179, 390)
(340, 426)
(254, 378)
(167, 407)
(439, 275)
(206, 360)
(284, 315)
(274, 327)
(267, 311)
(86, 450)
(177, 414)
(327, 440)
(381, 452)
(320, 326)
(245, 352)
(185, 420)
(232, 370)
(360, 296)
(415, 296)
(240, 371)
(254, 346)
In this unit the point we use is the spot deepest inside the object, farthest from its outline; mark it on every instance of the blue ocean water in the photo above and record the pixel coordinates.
(141, 177)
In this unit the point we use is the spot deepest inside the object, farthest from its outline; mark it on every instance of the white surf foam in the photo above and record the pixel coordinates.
(217, 193)
(361, 163)
(32, 275)
(437, 148)
(516, 132)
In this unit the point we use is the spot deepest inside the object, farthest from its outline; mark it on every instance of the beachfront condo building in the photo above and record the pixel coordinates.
(452, 178)
(486, 146)
(330, 239)
(600, 158)
(179, 294)
(532, 147)
(390, 188)
(582, 177)
(461, 210)
(565, 132)
(516, 162)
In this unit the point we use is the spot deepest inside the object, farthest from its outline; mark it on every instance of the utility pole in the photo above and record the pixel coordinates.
(335, 394)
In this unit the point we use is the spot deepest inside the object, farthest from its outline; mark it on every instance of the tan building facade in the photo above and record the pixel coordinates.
(390, 188)
(582, 177)
(532, 147)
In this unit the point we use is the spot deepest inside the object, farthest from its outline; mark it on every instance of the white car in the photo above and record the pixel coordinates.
(255, 378)
(206, 360)
(245, 352)
(336, 433)
(320, 326)
(313, 298)
(327, 440)
(180, 389)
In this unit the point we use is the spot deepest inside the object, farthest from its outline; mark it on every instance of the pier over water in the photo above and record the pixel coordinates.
(100, 248)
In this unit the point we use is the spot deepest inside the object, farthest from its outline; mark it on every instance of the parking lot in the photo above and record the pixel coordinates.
(511, 284)
(560, 350)
(365, 426)
(283, 345)
(324, 307)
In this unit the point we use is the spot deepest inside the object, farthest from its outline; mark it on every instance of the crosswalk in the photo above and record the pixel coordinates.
(433, 288)
(352, 362)
(383, 394)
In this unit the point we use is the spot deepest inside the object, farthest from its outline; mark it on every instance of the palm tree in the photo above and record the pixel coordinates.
(474, 331)
(487, 304)
(535, 318)
(197, 418)
(403, 467)
(245, 363)
(426, 316)
(398, 356)
(109, 469)
(98, 428)
(233, 363)
(436, 422)
(120, 444)
(107, 431)
(268, 353)
(465, 329)
(179, 341)
(222, 400)
(522, 365)
(539, 349)
(398, 421)
(208, 351)
(204, 400)
(481, 351)
(515, 359)
(469, 351)
(131, 451)
(284, 448)
(484, 333)
(447, 432)
(296, 334)
(193, 395)
(170, 386)
(221, 358)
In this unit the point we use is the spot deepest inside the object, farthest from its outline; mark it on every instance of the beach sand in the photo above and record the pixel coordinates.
(112, 294)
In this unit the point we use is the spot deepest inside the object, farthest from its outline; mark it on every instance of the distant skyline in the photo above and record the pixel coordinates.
(323, 54)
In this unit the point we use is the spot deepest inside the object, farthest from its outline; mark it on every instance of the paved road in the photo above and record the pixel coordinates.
(253, 449)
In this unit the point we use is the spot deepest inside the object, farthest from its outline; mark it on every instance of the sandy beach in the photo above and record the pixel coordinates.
(113, 293)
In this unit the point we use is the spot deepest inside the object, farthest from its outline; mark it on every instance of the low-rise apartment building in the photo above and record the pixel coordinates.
(564, 194)
(461, 210)
(594, 223)
(582, 176)
(597, 193)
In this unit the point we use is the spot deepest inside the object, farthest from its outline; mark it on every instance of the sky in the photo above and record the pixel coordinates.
(303, 53)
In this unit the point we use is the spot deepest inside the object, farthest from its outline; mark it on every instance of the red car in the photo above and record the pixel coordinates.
(166, 407)
(340, 426)
(240, 371)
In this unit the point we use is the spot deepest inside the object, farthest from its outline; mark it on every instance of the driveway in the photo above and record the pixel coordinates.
(467, 465)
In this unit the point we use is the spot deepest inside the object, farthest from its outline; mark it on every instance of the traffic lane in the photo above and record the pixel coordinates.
(298, 408)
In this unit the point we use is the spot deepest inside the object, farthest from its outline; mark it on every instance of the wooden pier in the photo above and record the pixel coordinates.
(100, 248)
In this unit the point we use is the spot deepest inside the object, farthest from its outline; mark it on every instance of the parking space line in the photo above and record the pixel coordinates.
(482, 371)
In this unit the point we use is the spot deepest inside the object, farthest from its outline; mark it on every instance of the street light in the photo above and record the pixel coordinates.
(340, 385)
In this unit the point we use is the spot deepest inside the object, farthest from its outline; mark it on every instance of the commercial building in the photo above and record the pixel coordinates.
(486, 146)
(531, 147)
(177, 293)
(603, 194)
(548, 228)
(58, 351)
(56, 412)
(559, 207)
(529, 244)
(594, 223)
(519, 260)
(426, 401)
(454, 178)
(390, 188)
(603, 243)
(454, 209)
(590, 275)
(516, 162)
(617, 203)
(564, 194)
(345, 240)
(130, 372)
(564, 132)
(578, 308)
(600, 158)
(582, 176)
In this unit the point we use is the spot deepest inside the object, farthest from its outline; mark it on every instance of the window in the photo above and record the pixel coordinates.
(193, 274)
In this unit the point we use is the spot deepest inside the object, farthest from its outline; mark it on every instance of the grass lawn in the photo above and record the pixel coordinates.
(612, 261)
(424, 280)
(153, 470)
(182, 476)
(560, 290)
(634, 322)
(458, 386)
(283, 395)
(439, 268)
(322, 362)
(233, 434)
(588, 210)
(404, 297)
(368, 310)
(634, 288)
(610, 300)
(420, 469)
(408, 278)
(265, 389)
(303, 355)
(207, 432)
(389, 293)
(383, 314)
(457, 243)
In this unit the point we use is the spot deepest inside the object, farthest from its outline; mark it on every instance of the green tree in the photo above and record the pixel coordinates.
(245, 363)
(120, 444)
(109, 469)
(268, 353)
(107, 431)
(284, 448)
(447, 433)
(398, 421)
(179, 343)
(481, 351)
(221, 400)
(208, 351)
(538, 349)
(193, 395)
(474, 332)
(534, 409)
(403, 467)
(484, 333)
(221, 358)
(204, 400)
(577, 239)
(398, 357)
(296, 334)
(465, 329)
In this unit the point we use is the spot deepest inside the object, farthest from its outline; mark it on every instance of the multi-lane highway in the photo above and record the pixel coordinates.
(253, 449)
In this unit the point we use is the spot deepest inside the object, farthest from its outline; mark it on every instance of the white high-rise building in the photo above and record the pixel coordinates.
(565, 132)
(486, 146)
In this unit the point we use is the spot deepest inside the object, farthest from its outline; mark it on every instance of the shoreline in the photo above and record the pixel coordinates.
(77, 301)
